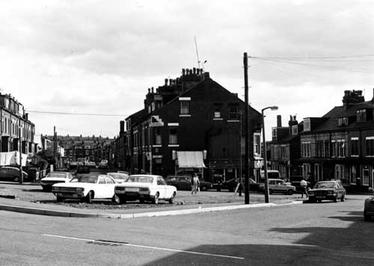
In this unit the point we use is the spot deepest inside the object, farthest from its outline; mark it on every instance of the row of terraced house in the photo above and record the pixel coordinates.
(338, 145)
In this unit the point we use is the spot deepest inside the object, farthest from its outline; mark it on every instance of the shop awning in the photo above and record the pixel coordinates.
(190, 159)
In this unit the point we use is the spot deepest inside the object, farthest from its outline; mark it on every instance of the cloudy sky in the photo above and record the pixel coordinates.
(99, 57)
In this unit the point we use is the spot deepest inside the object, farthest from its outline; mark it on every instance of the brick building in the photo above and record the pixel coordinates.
(340, 144)
(190, 123)
(15, 125)
(285, 149)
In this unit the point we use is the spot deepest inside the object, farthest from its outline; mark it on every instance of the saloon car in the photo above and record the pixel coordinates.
(327, 190)
(144, 187)
(86, 188)
(279, 186)
(54, 178)
(11, 173)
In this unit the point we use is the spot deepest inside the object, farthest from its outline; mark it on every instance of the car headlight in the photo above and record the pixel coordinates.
(330, 192)
(79, 189)
(143, 189)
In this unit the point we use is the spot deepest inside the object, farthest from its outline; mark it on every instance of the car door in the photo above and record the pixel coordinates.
(161, 186)
(109, 187)
(100, 188)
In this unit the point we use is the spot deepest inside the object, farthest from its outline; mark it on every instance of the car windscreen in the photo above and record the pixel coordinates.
(118, 176)
(325, 185)
(140, 179)
(54, 174)
(86, 179)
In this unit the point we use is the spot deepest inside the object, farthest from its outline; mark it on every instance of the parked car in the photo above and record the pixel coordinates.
(54, 178)
(231, 184)
(184, 182)
(119, 177)
(86, 187)
(11, 173)
(279, 186)
(327, 190)
(144, 187)
(369, 208)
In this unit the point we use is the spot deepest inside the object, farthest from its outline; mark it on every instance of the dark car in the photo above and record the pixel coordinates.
(83, 169)
(327, 190)
(369, 208)
(11, 173)
(184, 183)
(231, 185)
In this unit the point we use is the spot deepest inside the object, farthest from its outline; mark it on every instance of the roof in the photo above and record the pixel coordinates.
(337, 112)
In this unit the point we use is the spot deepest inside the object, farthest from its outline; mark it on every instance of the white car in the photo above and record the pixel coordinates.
(118, 177)
(144, 187)
(54, 178)
(86, 188)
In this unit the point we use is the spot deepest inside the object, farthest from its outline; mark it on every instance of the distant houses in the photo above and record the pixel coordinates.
(338, 145)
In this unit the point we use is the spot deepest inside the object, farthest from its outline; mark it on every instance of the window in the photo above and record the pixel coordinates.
(217, 114)
(319, 148)
(185, 107)
(307, 124)
(353, 174)
(234, 114)
(157, 136)
(343, 121)
(361, 115)
(327, 148)
(334, 148)
(341, 148)
(354, 147)
(305, 149)
(173, 138)
(339, 171)
(306, 170)
(369, 146)
(317, 172)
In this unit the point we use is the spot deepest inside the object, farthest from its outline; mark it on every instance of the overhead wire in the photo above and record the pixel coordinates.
(71, 113)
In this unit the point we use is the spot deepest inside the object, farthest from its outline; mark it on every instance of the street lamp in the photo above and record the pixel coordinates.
(265, 155)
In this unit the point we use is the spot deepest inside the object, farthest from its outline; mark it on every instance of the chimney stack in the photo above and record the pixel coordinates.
(279, 121)
(166, 82)
(183, 72)
(121, 127)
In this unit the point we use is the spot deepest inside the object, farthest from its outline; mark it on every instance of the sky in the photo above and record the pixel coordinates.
(100, 57)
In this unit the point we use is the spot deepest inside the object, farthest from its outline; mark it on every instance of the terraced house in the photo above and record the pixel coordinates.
(190, 123)
(340, 144)
(16, 128)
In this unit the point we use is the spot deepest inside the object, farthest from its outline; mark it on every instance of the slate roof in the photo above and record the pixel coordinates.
(331, 123)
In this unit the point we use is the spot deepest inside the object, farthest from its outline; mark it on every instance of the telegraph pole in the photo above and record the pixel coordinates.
(246, 155)
(20, 152)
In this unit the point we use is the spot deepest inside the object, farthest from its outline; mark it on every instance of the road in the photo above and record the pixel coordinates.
(306, 234)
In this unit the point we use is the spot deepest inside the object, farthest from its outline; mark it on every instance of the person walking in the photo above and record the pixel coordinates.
(195, 183)
(304, 188)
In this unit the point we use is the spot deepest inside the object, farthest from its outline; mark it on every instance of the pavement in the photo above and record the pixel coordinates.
(15, 198)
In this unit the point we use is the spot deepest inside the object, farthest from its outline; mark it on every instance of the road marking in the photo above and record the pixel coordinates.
(143, 246)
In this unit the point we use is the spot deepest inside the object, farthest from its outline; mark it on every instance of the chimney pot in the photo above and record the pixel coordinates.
(166, 82)
(183, 72)
(194, 70)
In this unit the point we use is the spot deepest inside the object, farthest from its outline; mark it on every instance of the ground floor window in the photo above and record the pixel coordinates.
(353, 174)
(317, 172)
(306, 170)
(366, 177)
(339, 172)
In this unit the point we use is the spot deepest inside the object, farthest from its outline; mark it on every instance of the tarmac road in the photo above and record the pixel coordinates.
(305, 234)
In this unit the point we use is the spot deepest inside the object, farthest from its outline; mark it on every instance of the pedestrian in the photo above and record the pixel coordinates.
(304, 188)
(195, 183)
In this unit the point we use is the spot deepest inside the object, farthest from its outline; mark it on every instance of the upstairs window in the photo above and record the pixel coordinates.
(307, 126)
(234, 113)
(354, 146)
(361, 115)
(343, 121)
(157, 136)
(185, 107)
(173, 137)
(369, 146)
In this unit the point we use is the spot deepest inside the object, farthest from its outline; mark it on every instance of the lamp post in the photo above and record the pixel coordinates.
(265, 155)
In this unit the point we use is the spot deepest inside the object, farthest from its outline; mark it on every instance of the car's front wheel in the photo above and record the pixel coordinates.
(290, 192)
(171, 200)
(89, 197)
(156, 198)
(116, 199)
